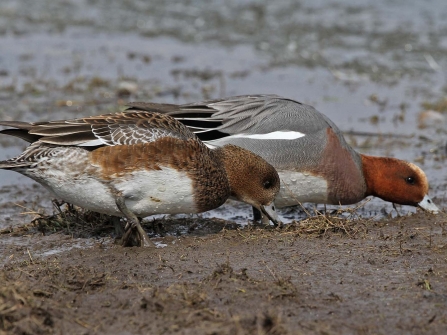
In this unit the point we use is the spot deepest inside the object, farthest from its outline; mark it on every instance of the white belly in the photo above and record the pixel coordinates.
(298, 187)
(165, 191)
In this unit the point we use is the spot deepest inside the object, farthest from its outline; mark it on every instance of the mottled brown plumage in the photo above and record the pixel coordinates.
(139, 163)
(204, 168)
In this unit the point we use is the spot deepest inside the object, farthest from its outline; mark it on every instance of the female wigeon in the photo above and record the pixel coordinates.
(314, 162)
(139, 163)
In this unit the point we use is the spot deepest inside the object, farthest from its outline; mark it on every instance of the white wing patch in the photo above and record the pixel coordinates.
(209, 145)
(276, 135)
(92, 143)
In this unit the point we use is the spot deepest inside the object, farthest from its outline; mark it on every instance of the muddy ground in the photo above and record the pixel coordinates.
(318, 276)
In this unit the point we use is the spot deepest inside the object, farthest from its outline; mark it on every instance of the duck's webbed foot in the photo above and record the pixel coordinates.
(134, 234)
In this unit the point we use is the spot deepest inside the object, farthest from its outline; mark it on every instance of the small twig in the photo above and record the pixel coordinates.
(271, 272)
(82, 323)
(25, 272)
(29, 254)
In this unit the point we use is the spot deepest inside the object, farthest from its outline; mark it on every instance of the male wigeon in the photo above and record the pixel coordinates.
(138, 163)
(314, 162)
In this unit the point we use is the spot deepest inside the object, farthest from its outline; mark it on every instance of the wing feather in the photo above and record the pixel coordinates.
(125, 128)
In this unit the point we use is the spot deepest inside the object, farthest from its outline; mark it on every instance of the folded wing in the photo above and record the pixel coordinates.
(126, 128)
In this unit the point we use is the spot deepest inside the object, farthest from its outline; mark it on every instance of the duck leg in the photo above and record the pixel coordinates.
(257, 215)
(116, 221)
(132, 224)
(131, 239)
(395, 208)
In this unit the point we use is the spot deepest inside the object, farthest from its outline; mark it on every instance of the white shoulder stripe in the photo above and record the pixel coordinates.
(276, 135)
(91, 143)
(209, 145)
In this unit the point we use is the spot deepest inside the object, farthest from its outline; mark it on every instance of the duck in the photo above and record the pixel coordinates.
(137, 163)
(313, 159)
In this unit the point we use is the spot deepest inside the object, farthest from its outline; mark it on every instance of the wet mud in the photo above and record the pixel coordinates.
(319, 276)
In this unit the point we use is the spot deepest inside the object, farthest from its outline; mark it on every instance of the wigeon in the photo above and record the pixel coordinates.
(314, 162)
(138, 163)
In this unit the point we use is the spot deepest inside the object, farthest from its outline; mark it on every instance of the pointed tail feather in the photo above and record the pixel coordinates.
(17, 124)
(20, 130)
(21, 133)
(13, 165)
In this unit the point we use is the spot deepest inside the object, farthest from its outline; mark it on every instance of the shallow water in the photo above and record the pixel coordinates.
(368, 67)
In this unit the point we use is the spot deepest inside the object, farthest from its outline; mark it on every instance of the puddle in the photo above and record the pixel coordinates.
(27, 248)
(160, 245)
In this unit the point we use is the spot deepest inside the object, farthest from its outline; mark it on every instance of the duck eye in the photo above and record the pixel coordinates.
(267, 184)
(410, 180)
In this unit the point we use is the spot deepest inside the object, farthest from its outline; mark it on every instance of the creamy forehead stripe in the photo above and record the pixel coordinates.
(276, 135)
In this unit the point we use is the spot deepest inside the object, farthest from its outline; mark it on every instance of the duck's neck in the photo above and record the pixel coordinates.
(227, 156)
(372, 170)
